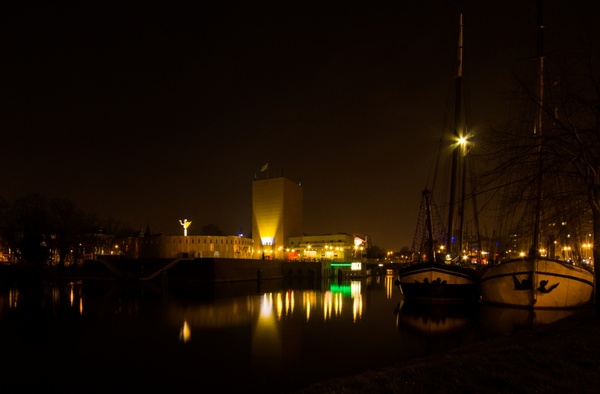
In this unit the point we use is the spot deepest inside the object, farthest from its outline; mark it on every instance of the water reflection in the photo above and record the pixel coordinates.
(504, 321)
(275, 336)
(431, 329)
(333, 301)
(435, 319)
(185, 334)
(440, 319)
(267, 341)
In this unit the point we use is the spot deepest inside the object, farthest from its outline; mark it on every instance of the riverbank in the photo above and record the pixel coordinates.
(561, 357)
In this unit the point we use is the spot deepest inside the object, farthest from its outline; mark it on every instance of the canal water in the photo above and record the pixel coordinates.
(275, 336)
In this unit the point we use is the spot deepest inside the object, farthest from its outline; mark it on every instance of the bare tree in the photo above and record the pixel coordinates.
(570, 160)
(575, 115)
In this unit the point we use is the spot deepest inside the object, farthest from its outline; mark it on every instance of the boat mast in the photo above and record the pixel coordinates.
(539, 98)
(457, 135)
(429, 226)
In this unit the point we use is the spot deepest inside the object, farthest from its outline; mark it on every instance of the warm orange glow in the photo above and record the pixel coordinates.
(185, 334)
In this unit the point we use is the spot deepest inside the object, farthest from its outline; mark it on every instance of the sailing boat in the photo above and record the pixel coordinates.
(431, 278)
(537, 280)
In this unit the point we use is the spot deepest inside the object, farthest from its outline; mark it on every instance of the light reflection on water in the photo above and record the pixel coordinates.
(238, 337)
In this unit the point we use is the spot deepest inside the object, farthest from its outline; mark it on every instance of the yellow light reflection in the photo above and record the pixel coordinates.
(266, 339)
(309, 302)
(327, 305)
(266, 306)
(357, 307)
(290, 301)
(279, 307)
(338, 303)
(185, 334)
(355, 288)
(389, 286)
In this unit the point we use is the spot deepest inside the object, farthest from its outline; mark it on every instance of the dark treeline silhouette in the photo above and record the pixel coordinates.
(37, 230)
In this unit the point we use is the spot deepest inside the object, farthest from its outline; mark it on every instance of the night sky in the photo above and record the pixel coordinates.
(159, 112)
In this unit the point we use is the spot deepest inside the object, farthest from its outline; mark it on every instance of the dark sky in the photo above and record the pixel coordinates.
(160, 112)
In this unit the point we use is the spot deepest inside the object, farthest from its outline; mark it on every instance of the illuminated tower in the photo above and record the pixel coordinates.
(277, 205)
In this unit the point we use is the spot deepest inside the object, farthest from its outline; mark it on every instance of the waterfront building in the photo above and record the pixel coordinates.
(328, 247)
(277, 211)
(193, 246)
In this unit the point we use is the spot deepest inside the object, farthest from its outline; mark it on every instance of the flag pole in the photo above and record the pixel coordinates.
(264, 168)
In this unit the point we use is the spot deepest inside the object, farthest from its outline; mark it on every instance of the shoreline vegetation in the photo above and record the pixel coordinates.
(560, 357)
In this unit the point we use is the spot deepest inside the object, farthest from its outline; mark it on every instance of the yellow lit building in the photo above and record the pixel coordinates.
(277, 209)
(327, 247)
(194, 246)
(277, 234)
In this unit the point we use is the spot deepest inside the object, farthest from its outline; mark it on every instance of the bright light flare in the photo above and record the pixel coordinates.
(463, 142)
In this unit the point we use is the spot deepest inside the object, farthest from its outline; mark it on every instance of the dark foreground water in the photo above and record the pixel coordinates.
(240, 337)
